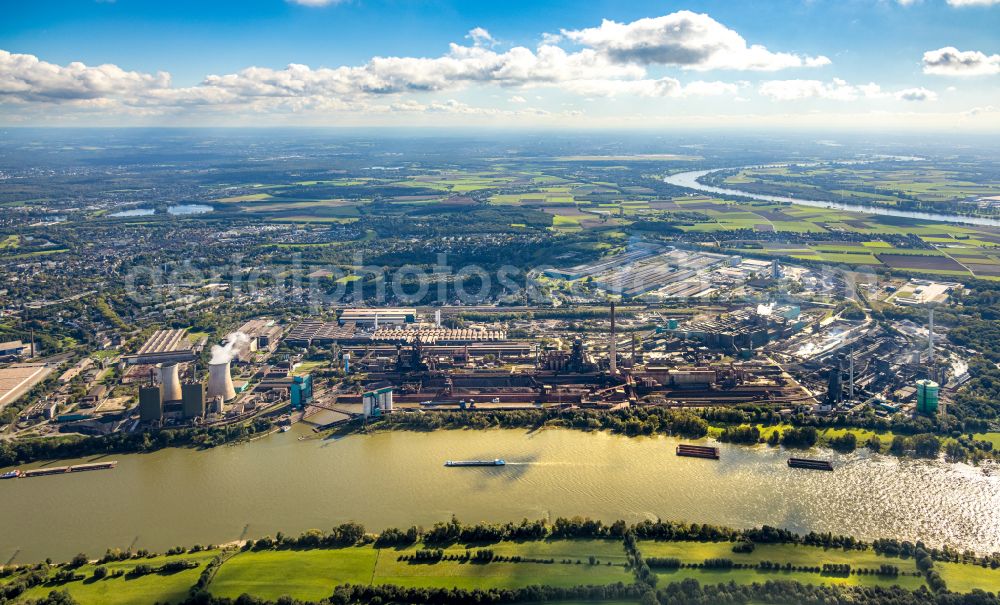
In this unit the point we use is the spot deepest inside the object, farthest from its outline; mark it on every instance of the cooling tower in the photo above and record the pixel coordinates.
(220, 383)
(170, 383)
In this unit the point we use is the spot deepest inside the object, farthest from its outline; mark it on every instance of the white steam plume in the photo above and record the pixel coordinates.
(225, 353)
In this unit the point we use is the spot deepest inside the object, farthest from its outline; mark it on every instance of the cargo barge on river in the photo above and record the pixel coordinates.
(811, 464)
(494, 462)
(61, 470)
(698, 451)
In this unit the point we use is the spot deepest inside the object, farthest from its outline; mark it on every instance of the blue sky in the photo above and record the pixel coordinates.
(850, 63)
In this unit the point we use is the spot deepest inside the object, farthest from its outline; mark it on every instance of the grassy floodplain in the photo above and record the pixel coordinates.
(796, 555)
(125, 590)
(310, 574)
(965, 578)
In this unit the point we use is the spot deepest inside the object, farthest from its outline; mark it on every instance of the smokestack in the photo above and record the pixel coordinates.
(614, 345)
(220, 383)
(930, 336)
(170, 383)
(852, 375)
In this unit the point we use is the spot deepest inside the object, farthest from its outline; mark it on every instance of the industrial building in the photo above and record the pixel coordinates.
(922, 291)
(298, 389)
(15, 348)
(264, 334)
(320, 334)
(150, 405)
(649, 271)
(166, 347)
(439, 336)
(192, 400)
(376, 402)
(637, 253)
(17, 380)
(377, 317)
(301, 391)
(94, 395)
(744, 329)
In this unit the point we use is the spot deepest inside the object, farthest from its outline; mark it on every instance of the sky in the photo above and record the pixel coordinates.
(894, 65)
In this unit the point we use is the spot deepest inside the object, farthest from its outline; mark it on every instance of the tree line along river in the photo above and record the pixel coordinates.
(280, 483)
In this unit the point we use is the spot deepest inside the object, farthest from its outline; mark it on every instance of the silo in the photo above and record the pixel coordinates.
(927, 396)
(170, 383)
(220, 383)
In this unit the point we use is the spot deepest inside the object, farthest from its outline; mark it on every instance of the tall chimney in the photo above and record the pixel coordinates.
(614, 345)
(220, 383)
(170, 382)
(852, 375)
(930, 336)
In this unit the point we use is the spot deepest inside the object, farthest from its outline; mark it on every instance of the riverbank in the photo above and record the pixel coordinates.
(632, 423)
(645, 421)
(558, 556)
(29, 451)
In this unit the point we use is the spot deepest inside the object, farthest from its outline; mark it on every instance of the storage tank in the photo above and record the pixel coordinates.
(927, 396)
(170, 383)
(220, 383)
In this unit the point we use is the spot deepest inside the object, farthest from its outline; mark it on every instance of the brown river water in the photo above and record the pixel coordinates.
(280, 483)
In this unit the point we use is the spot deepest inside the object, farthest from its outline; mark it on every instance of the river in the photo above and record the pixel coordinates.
(689, 180)
(279, 483)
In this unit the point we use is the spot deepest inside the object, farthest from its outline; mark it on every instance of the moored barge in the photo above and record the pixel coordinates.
(698, 451)
(811, 464)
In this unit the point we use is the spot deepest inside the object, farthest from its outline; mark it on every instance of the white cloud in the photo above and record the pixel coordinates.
(916, 94)
(26, 78)
(701, 88)
(462, 65)
(685, 39)
(550, 38)
(964, 3)
(480, 36)
(949, 61)
(610, 61)
(795, 90)
(663, 87)
(836, 90)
